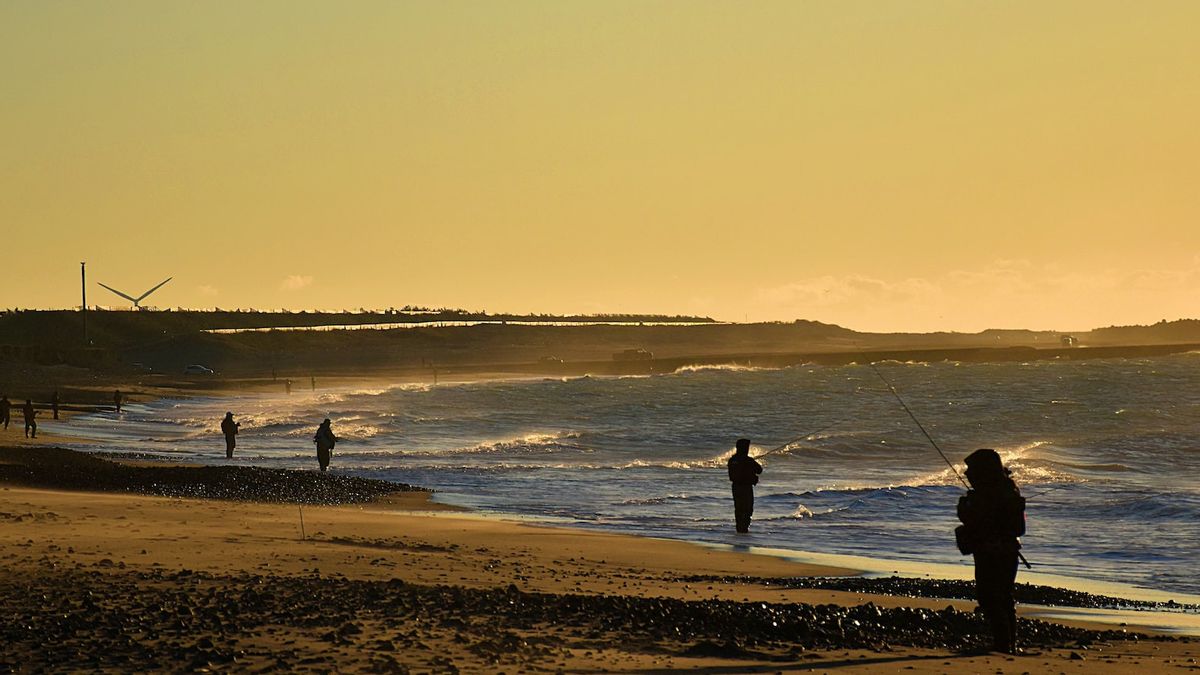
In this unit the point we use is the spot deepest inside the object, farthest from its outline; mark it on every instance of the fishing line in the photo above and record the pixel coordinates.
(800, 438)
(1049, 490)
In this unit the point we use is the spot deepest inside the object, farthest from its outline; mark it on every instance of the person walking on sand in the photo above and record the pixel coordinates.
(230, 429)
(5, 410)
(743, 473)
(993, 517)
(325, 441)
(54, 401)
(30, 419)
(117, 398)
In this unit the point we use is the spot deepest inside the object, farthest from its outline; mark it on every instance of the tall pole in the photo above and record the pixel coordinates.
(83, 292)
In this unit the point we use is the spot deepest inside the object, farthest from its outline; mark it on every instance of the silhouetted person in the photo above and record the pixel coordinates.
(54, 401)
(230, 429)
(5, 410)
(325, 441)
(993, 516)
(30, 419)
(743, 473)
(313, 380)
(117, 398)
(287, 385)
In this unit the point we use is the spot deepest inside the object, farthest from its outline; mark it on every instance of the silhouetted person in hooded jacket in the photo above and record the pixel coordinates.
(993, 517)
(30, 419)
(118, 399)
(5, 410)
(230, 429)
(743, 473)
(325, 441)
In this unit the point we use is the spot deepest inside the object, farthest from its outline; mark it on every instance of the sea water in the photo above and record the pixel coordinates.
(1106, 451)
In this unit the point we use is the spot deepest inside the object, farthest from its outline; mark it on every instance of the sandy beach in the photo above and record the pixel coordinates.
(111, 580)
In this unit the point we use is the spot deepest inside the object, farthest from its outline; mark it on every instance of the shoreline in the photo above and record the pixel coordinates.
(178, 583)
(874, 565)
(137, 474)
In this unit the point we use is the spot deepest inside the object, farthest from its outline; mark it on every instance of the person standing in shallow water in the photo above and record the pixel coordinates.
(993, 517)
(230, 429)
(117, 399)
(5, 410)
(325, 441)
(743, 473)
(30, 419)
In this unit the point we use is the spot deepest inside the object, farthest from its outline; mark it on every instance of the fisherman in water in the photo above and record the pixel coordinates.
(743, 473)
(229, 429)
(993, 517)
(325, 441)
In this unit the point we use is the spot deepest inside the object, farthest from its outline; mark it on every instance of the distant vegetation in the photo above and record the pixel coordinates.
(166, 341)
(63, 329)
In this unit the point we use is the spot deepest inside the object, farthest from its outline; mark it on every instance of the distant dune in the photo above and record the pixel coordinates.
(164, 342)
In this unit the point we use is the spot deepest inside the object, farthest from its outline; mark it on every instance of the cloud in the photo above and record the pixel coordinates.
(207, 290)
(294, 282)
(1003, 294)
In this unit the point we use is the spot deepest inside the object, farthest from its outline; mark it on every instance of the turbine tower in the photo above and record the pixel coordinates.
(136, 301)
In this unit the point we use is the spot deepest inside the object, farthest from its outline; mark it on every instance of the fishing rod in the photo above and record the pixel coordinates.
(920, 426)
(931, 441)
(800, 438)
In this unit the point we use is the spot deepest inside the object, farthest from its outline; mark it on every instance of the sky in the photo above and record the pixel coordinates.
(882, 165)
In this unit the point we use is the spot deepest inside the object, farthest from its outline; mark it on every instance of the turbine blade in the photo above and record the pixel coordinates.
(133, 300)
(160, 285)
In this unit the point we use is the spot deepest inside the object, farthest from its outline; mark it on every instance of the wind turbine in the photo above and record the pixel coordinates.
(139, 298)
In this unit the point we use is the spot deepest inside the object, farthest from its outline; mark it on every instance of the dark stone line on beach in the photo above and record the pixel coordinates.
(184, 620)
(947, 589)
(67, 469)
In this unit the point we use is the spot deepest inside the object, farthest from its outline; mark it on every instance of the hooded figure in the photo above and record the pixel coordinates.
(230, 429)
(30, 419)
(325, 441)
(993, 517)
(743, 473)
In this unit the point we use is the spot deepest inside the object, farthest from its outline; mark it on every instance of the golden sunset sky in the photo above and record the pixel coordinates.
(882, 165)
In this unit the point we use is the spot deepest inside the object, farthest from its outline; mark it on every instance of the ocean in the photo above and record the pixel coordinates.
(1107, 453)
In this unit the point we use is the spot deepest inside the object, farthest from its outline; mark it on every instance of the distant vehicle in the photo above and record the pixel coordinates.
(633, 355)
(550, 360)
(1069, 341)
(196, 369)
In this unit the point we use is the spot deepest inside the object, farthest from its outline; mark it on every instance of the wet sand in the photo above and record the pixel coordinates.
(122, 581)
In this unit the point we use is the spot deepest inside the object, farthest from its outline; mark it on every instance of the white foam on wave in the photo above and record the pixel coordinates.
(802, 512)
(727, 367)
(897, 362)
(536, 442)
(649, 501)
(1026, 469)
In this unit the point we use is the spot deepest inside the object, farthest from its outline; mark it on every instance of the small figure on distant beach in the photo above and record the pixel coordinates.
(313, 380)
(5, 410)
(325, 441)
(30, 419)
(743, 473)
(117, 399)
(993, 517)
(54, 401)
(230, 429)
(287, 385)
